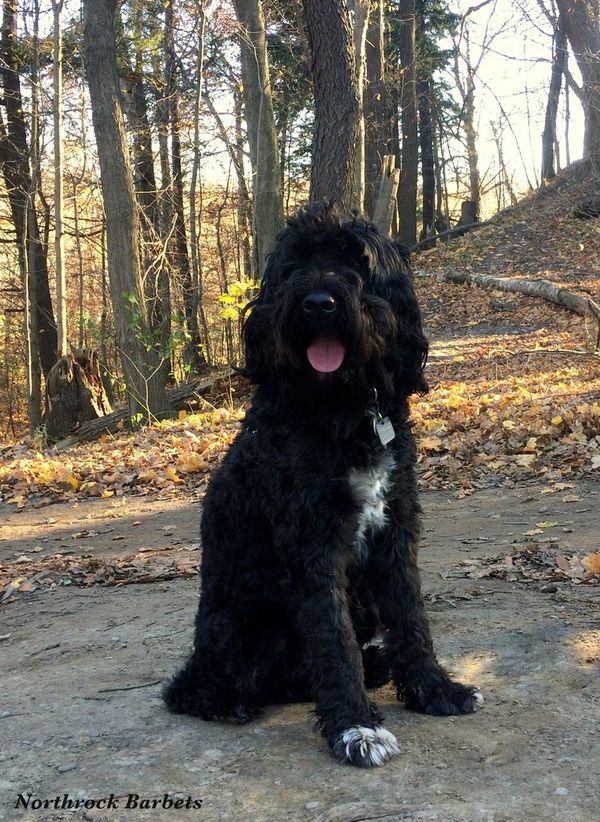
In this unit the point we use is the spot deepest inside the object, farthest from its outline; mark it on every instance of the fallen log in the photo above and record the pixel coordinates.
(179, 398)
(576, 303)
(457, 231)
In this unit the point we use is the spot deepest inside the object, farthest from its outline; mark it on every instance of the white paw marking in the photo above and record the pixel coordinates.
(478, 697)
(374, 746)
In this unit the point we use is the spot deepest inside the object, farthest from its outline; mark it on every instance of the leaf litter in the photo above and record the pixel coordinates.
(515, 398)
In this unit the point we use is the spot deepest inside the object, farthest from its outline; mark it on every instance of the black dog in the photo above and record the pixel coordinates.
(310, 525)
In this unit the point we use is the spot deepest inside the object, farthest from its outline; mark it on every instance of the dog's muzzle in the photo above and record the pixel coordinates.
(326, 352)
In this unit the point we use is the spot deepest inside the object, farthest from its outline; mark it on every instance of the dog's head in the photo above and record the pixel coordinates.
(336, 312)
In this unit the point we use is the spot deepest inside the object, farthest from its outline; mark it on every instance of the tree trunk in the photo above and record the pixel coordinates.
(139, 123)
(193, 348)
(361, 22)
(336, 102)
(195, 224)
(559, 57)
(244, 201)
(427, 158)
(14, 160)
(467, 93)
(141, 366)
(582, 25)
(442, 221)
(59, 240)
(407, 204)
(262, 136)
(375, 106)
(472, 153)
(156, 272)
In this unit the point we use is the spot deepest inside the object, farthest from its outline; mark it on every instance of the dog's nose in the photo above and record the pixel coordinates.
(318, 303)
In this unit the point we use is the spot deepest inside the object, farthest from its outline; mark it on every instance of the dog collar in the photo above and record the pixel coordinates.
(382, 426)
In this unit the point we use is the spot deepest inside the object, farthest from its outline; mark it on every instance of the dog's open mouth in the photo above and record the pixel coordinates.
(326, 353)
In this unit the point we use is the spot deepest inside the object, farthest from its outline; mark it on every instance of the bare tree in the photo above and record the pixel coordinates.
(375, 105)
(141, 366)
(361, 9)
(267, 214)
(197, 306)
(559, 59)
(336, 101)
(466, 65)
(193, 349)
(59, 240)
(407, 194)
(427, 156)
(14, 161)
(156, 244)
(582, 25)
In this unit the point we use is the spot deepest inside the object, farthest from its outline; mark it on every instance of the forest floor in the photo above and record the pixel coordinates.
(510, 477)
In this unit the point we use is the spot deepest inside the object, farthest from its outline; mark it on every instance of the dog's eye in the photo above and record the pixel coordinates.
(353, 278)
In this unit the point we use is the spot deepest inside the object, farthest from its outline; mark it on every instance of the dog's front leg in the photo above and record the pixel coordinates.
(418, 676)
(350, 723)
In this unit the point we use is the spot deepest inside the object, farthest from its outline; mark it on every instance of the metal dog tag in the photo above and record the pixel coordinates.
(384, 429)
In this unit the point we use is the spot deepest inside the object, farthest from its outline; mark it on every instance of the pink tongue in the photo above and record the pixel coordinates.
(326, 354)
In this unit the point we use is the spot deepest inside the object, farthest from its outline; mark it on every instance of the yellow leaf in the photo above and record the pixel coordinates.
(193, 463)
(592, 563)
(431, 444)
(173, 475)
(182, 416)
(545, 524)
(229, 313)
(556, 420)
(74, 481)
(531, 446)
(509, 425)
(524, 460)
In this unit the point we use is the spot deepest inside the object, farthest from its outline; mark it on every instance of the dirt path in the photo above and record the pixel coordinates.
(81, 667)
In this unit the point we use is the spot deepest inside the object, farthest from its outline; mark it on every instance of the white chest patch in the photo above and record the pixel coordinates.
(369, 488)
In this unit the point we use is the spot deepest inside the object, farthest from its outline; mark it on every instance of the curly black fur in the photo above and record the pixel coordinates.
(310, 526)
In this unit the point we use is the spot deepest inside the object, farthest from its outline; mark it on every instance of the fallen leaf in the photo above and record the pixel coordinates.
(592, 562)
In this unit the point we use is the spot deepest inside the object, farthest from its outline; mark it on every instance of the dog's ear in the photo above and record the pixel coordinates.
(258, 325)
(410, 354)
(392, 280)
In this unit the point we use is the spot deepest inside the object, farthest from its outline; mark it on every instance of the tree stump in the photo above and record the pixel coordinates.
(468, 212)
(74, 393)
(385, 204)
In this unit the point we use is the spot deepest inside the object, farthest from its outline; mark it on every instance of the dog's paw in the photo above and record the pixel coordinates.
(446, 699)
(365, 747)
